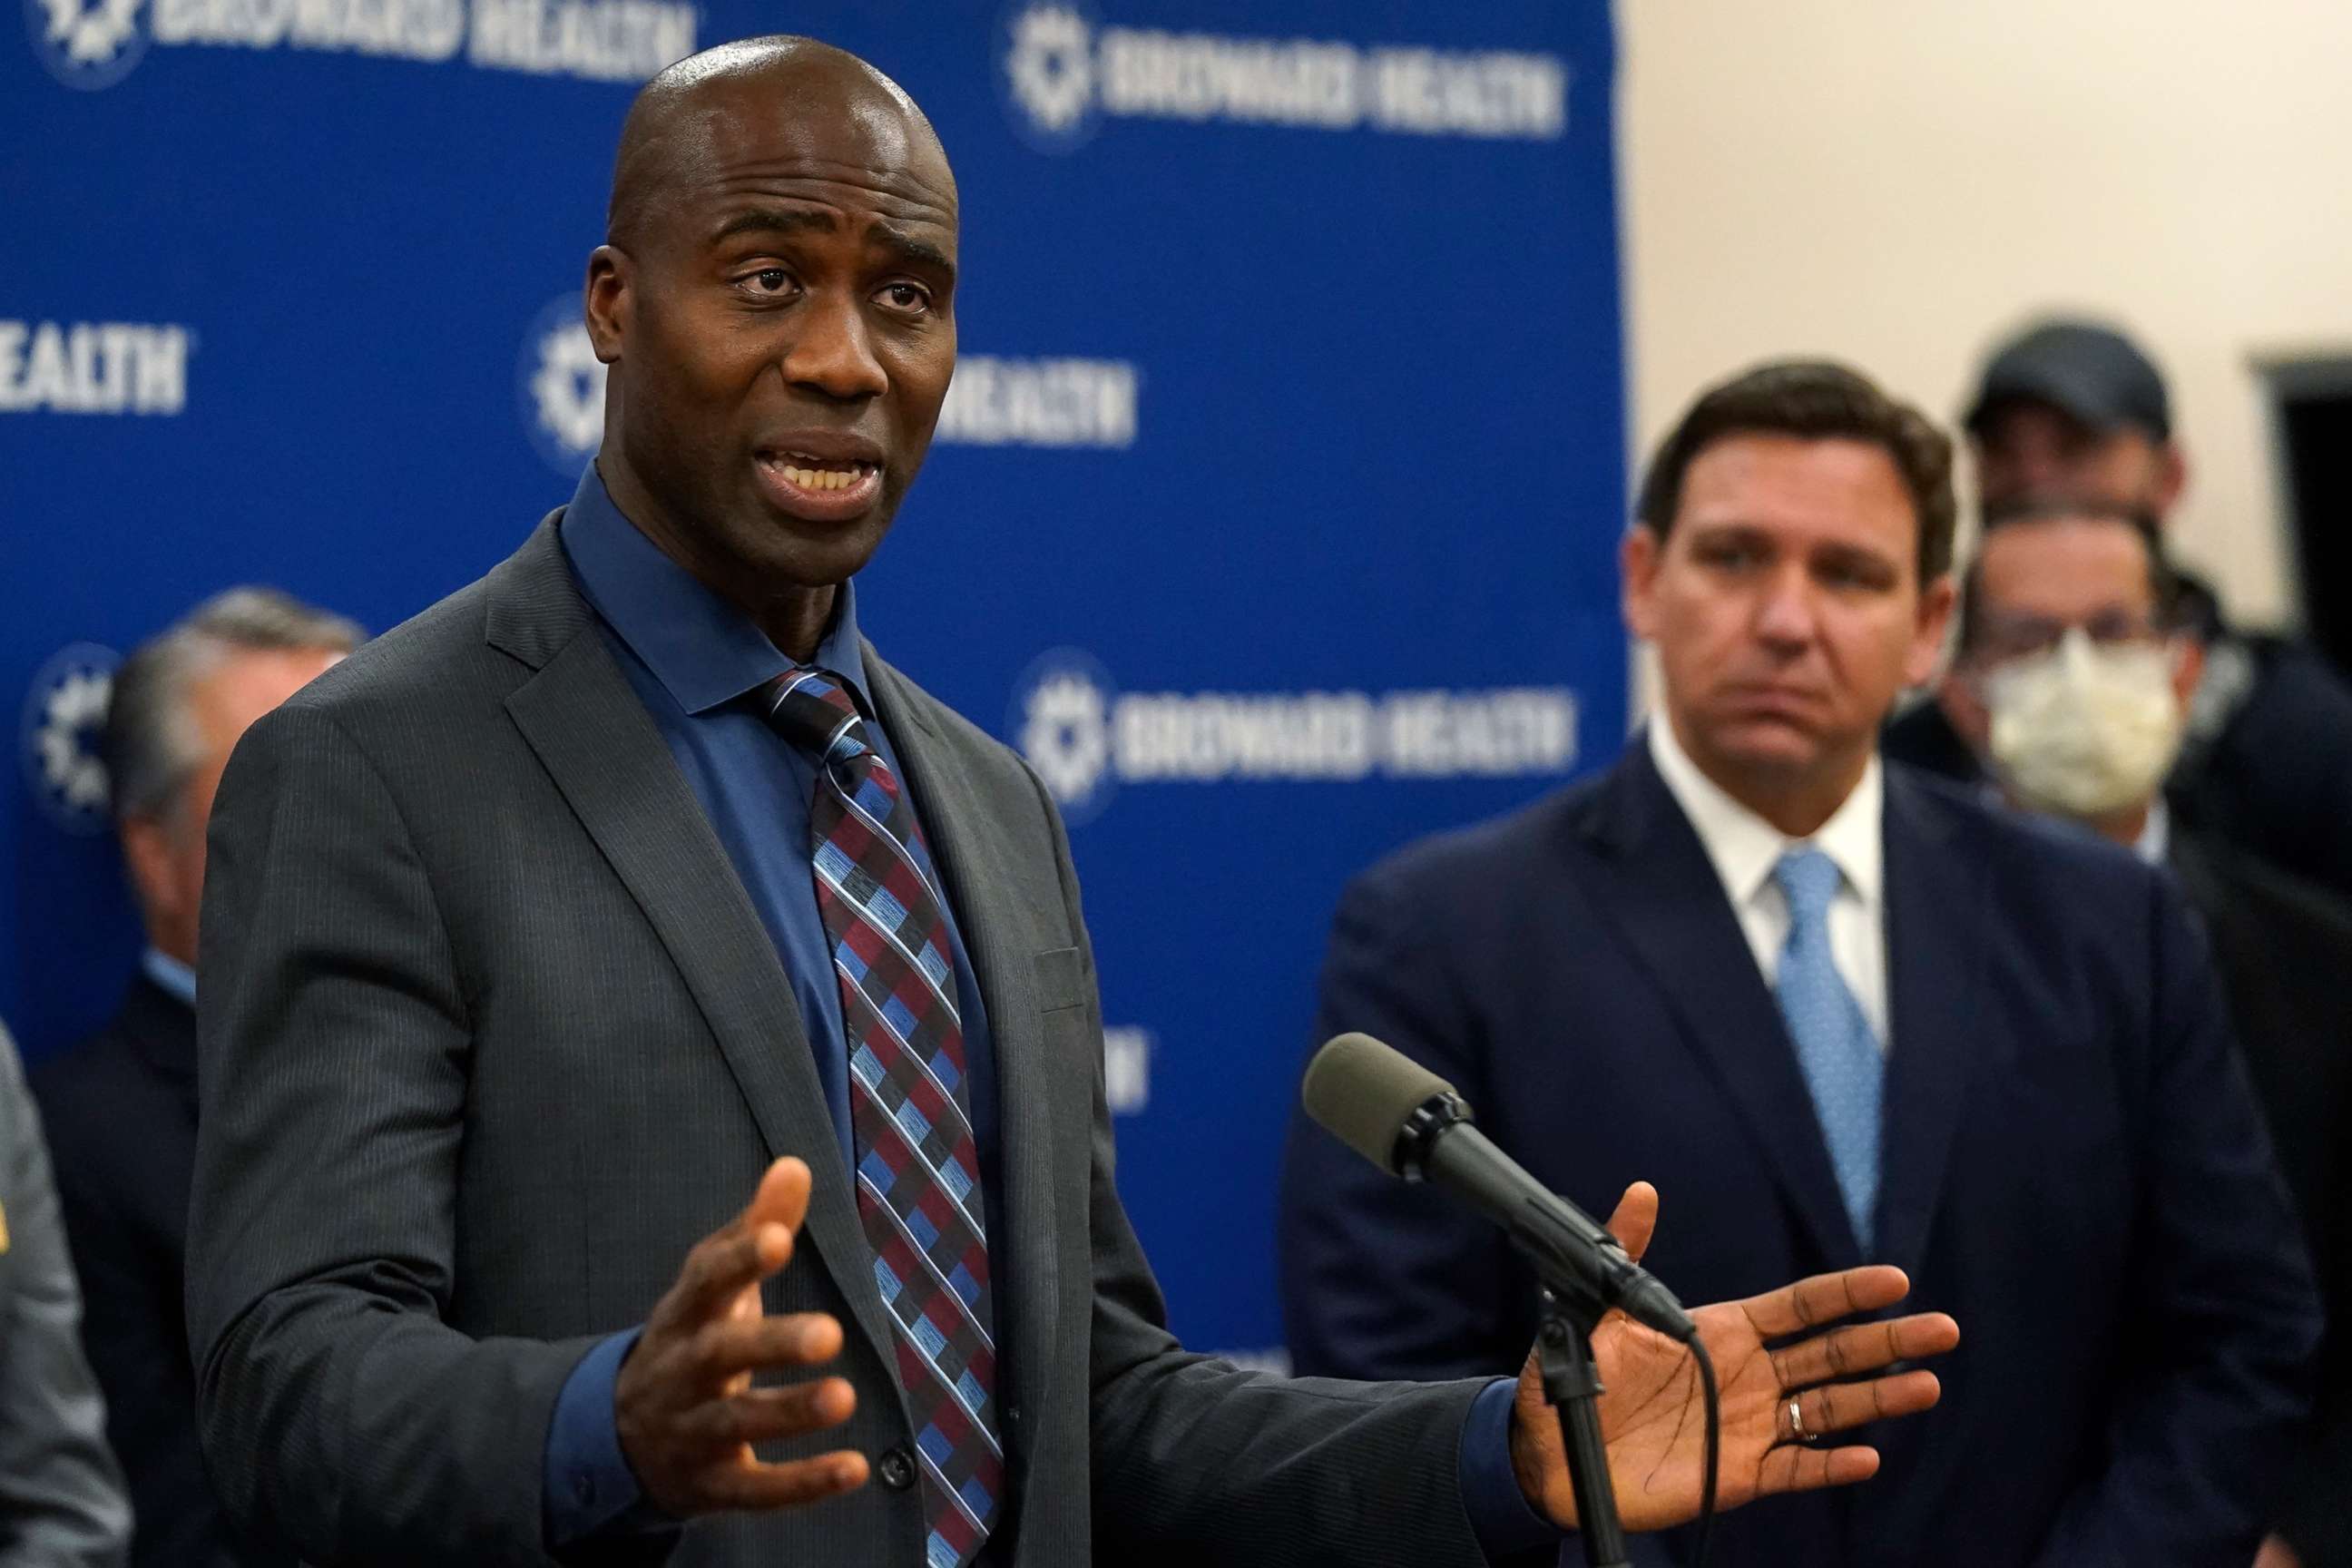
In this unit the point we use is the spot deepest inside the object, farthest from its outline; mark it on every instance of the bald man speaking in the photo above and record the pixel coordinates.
(652, 1105)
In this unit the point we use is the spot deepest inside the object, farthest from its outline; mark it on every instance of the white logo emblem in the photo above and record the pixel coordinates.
(65, 713)
(87, 44)
(562, 387)
(1126, 1068)
(1061, 722)
(1085, 739)
(1049, 73)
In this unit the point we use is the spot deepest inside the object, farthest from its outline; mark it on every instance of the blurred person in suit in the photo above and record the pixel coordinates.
(121, 1106)
(61, 1498)
(1857, 1014)
(2074, 409)
(621, 985)
(2073, 679)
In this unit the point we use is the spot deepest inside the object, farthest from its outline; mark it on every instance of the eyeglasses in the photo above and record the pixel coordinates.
(2002, 637)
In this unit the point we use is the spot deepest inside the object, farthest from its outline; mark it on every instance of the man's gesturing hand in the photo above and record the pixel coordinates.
(684, 1404)
(1654, 1424)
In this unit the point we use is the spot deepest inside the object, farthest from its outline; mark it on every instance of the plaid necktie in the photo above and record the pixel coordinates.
(918, 1189)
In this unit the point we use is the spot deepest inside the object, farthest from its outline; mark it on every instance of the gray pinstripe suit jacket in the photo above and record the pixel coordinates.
(491, 1035)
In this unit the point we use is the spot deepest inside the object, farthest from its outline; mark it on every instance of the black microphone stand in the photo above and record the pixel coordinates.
(1571, 1385)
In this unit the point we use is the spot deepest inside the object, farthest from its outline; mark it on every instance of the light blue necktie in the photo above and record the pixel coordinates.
(1836, 1050)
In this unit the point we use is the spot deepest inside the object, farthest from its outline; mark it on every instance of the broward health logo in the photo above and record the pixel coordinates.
(93, 368)
(93, 44)
(996, 402)
(1061, 723)
(1048, 75)
(65, 713)
(560, 383)
(1084, 737)
(1061, 73)
(87, 44)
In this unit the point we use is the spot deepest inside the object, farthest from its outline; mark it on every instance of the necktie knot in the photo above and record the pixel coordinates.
(813, 708)
(1809, 880)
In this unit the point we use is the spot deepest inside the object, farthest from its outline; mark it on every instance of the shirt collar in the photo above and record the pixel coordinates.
(1745, 847)
(170, 975)
(704, 650)
(2155, 843)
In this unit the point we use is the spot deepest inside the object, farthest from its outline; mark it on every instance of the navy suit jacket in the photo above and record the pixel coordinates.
(2074, 1166)
(121, 1114)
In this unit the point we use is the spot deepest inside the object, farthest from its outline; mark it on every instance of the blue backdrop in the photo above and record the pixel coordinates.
(1273, 514)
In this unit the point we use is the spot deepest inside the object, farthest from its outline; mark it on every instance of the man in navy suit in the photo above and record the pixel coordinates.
(1850, 1014)
(121, 1106)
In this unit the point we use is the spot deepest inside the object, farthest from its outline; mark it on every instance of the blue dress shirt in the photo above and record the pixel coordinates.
(691, 658)
(170, 975)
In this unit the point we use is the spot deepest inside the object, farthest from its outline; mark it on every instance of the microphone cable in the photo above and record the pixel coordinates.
(1714, 1451)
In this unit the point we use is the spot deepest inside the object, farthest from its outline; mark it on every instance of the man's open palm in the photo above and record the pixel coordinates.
(1653, 1419)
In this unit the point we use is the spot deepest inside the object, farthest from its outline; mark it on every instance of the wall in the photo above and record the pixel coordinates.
(1899, 185)
(1271, 515)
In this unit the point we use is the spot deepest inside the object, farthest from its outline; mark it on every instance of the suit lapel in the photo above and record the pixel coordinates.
(981, 881)
(1936, 924)
(1670, 908)
(591, 732)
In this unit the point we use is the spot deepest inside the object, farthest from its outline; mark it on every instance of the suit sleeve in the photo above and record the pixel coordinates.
(2316, 1520)
(2214, 1380)
(1195, 1460)
(61, 1498)
(341, 1417)
(2278, 777)
(1378, 1279)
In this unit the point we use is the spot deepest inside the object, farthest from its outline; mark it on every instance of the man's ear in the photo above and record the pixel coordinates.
(152, 859)
(1637, 561)
(1926, 650)
(2172, 478)
(1956, 695)
(2188, 670)
(606, 299)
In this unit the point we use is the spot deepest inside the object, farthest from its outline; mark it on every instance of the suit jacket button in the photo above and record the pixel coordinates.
(896, 1469)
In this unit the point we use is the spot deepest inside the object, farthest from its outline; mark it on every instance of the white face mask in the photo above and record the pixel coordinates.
(2082, 730)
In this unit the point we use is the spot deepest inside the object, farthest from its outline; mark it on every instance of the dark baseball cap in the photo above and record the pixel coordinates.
(2089, 371)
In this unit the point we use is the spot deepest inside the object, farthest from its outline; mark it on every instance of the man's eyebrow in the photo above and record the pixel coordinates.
(1842, 552)
(912, 248)
(811, 220)
(774, 220)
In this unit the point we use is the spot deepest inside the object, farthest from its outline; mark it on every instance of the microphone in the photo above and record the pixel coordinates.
(1411, 1123)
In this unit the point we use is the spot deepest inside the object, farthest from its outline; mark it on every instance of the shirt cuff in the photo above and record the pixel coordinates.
(1500, 1513)
(590, 1488)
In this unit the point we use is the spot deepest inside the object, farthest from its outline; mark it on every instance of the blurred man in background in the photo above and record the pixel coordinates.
(122, 1107)
(62, 1502)
(2074, 409)
(2074, 679)
(1857, 1014)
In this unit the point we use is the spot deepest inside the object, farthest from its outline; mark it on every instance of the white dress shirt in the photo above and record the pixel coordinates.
(1745, 847)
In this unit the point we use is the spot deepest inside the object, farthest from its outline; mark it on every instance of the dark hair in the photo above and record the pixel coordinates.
(2163, 581)
(1815, 400)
